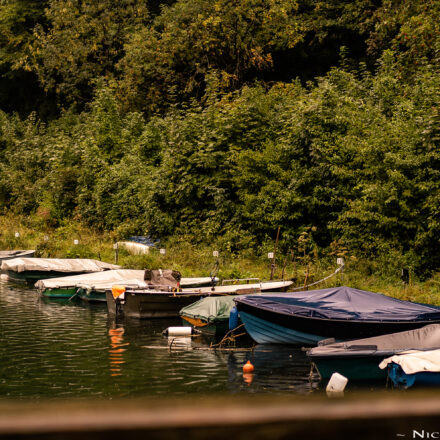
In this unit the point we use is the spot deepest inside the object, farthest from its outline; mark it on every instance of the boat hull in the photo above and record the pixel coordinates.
(362, 368)
(268, 327)
(9, 255)
(216, 328)
(61, 293)
(151, 305)
(95, 296)
(402, 380)
(30, 277)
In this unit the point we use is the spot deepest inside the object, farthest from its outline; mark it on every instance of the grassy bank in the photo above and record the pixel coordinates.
(195, 260)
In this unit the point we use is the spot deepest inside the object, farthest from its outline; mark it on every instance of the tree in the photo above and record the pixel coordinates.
(19, 88)
(82, 42)
(411, 29)
(231, 41)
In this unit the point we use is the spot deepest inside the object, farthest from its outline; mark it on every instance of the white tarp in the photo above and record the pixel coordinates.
(105, 280)
(108, 276)
(244, 288)
(415, 361)
(56, 265)
(108, 285)
(134, 248)
(9, 255)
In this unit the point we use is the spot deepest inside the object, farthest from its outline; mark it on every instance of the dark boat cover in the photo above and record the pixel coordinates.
(342, 303)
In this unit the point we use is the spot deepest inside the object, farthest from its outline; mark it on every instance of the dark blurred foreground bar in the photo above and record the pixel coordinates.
(387, 416)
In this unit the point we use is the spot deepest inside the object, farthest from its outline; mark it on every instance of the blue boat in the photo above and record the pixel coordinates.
(305, 318)
(359, 360)
(414, 368)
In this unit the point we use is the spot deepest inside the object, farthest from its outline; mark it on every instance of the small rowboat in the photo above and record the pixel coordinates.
(413, 368)
(359, 359)
(210, 314)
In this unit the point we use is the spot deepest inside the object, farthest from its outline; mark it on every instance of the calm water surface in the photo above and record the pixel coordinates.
(54, 349)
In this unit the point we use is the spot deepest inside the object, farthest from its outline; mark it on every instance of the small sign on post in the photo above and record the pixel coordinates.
(215, 254)
(75, 242)
(116, 248)
(162, 251)
(341, 263)
(271, 256)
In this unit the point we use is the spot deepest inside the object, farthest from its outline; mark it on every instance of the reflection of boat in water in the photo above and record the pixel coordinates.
(305, 318)
(276, 368)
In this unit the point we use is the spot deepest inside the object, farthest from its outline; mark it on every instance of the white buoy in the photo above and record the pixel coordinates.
(179, 331)
(337, 383)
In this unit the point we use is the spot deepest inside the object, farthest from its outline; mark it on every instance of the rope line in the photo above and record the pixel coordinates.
(320, 281)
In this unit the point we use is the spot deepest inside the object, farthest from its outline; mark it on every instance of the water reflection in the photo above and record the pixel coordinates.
(61, 349)
(116, 350)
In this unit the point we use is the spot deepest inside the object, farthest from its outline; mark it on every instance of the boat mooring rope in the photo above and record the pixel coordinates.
(339, 269)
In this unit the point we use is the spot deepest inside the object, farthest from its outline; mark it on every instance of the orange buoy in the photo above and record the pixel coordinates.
(248, 378)
(248, 367)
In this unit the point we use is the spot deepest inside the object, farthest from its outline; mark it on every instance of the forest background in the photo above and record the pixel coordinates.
(217, 121)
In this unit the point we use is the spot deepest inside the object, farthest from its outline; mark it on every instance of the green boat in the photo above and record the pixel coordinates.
(80, 285)
(209, 315)
(92, 287)
(62, 293)
(359, 360)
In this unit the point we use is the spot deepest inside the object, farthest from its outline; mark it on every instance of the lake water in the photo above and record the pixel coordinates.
(54, 349)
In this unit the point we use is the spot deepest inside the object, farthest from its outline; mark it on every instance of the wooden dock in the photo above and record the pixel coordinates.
(392, 415)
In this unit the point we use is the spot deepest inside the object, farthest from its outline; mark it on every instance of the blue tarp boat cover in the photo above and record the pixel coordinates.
(343, 303)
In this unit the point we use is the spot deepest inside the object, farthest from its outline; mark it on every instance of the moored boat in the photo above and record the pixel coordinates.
(95, 292)
(414, 368)
(359, 359)
(31, 270)
(305, 318)
(164, 298)
(242, 288)
(148, 303)
(91, 287)
(9, 255)
(210, 314)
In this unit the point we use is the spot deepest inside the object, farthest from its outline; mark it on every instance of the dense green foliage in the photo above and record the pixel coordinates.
(219, 121)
